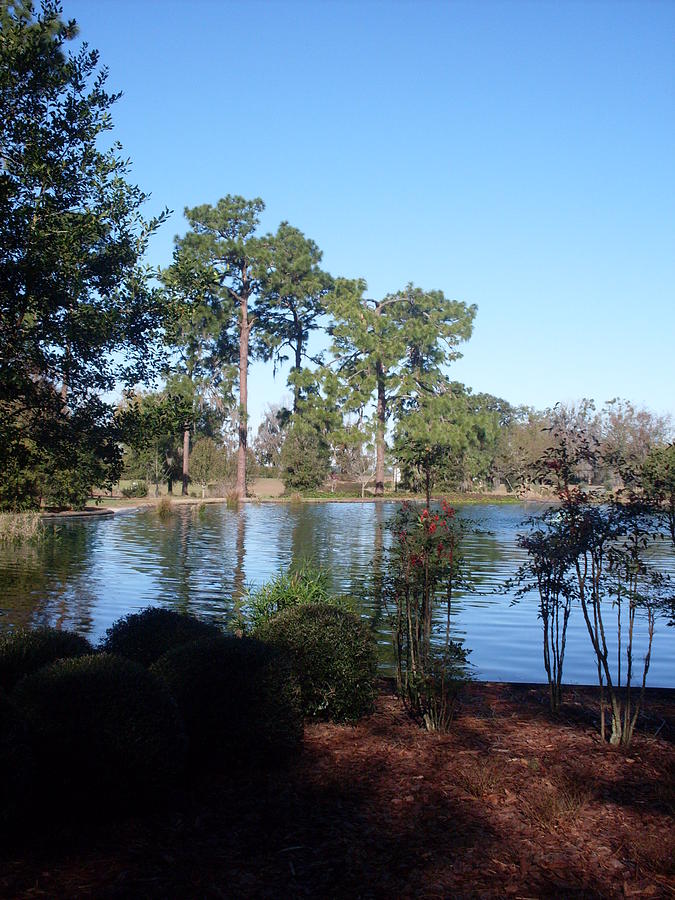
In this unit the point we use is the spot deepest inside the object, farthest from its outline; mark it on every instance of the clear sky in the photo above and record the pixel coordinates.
(516, 155)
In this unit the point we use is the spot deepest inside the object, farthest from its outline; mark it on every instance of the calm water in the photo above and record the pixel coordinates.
(84, 575)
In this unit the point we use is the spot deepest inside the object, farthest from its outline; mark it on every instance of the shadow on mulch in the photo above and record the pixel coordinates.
(510, 803)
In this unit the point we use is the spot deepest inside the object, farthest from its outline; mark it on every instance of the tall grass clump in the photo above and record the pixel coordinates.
(106, 732)
(23, 652)
(333, 655)
(20, 526)
(300, 585)
(145, 636)
(164, 508)
(238, 697)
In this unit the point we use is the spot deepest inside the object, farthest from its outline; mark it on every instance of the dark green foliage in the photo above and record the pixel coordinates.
(238, 697)
(19, 486)
(147, 635)
(24, 652)
(78, 311)
(333, 655)
(658, 479)
(104, 729)
(305, 457)
(16, 764)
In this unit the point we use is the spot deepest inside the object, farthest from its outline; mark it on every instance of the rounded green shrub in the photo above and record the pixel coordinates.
(16, 766)
(238, 697)
(149, 634)
(103, 728)
(333, 655)
(23, 652)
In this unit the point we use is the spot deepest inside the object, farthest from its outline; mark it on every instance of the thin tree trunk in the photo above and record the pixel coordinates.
(156, 472)
(381, 423)
(298, 364)
(243, 400)
(186, 460)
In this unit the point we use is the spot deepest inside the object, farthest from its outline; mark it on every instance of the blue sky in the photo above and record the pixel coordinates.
(516, 155)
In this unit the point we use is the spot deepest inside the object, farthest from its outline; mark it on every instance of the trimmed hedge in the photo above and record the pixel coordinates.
(16, 765)
(23, 652)
(334, 658)
(149, 634)
(238, 697)
(104, 729)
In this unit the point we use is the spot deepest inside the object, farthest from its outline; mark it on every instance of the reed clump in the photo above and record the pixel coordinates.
(165, 508)
(19, 527)
(232, 500)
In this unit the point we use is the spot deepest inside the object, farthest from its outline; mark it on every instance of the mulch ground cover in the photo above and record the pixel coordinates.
(511, 803)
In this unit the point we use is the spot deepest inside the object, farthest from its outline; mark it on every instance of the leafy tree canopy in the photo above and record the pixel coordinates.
(78, 314)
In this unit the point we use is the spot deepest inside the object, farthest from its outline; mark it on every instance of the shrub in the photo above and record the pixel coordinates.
(136, 489)
(147, 635)
(333, 655)
(238, 697)
(23, 652)
(103, 727)
(15, 765)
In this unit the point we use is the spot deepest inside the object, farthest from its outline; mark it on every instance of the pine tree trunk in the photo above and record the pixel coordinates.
(298, 362)
(243, 401)
(379, 439)
(186, 460)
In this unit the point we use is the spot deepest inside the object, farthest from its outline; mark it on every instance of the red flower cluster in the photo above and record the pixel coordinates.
(447, 509)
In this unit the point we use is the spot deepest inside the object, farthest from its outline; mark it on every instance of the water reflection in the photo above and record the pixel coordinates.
(84, 575)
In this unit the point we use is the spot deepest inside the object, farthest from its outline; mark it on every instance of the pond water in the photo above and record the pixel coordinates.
(84, 575)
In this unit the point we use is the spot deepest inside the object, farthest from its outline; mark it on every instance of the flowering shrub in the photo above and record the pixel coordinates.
(425, 566)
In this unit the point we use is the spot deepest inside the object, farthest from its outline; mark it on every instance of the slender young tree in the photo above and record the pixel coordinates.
(219, 265)
(389, 350)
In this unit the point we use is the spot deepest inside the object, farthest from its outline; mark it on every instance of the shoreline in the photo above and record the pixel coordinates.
(141, 503)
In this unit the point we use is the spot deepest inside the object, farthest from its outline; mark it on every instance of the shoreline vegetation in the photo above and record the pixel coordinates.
(24, 526)
(321, 497)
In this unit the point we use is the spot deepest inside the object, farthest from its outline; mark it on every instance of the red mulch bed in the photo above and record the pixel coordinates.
(510, 804)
